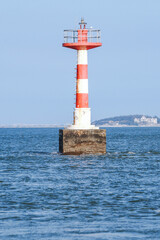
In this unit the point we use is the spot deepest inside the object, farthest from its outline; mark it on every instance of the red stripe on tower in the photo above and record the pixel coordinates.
(82, 71)
(82, 100)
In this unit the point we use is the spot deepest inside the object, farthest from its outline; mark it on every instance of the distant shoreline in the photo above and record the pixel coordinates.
(129, 121)
(128, 126)
(63, 126)
(32, 126)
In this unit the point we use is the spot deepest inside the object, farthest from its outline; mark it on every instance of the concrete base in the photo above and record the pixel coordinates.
(76, 142)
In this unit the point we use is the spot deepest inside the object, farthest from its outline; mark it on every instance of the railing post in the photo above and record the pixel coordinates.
(72, 36)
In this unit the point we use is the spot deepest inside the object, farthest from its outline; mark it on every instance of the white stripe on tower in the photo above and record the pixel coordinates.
(82, 86)
(82, 57)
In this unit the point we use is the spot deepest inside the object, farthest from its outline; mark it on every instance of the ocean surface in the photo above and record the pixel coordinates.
(45, 195)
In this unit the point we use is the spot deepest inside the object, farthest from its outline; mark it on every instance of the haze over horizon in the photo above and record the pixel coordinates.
(37, 74)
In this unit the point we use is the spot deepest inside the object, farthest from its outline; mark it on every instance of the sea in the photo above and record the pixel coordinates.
(45, 195)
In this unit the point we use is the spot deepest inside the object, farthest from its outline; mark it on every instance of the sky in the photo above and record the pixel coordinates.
(37, 75)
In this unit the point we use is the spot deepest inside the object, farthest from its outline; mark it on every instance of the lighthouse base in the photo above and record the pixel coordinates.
(82, 141)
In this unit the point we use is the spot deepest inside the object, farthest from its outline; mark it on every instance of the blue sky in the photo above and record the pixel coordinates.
(37, 75)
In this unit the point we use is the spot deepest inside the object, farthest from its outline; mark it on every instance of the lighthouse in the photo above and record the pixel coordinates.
(81, 137)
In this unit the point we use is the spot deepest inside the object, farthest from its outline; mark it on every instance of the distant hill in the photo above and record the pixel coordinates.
(130, 120)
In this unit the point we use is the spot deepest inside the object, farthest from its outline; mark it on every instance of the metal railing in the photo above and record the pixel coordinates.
(71, 36)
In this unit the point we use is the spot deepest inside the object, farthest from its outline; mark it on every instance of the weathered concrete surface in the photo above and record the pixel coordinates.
(76, 142)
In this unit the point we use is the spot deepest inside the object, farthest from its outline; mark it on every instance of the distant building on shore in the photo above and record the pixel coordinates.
(146, 120)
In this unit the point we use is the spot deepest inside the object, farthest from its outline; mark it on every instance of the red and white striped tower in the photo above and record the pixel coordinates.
(82, 40)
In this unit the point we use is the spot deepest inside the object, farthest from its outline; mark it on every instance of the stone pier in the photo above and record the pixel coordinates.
(82, 141)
